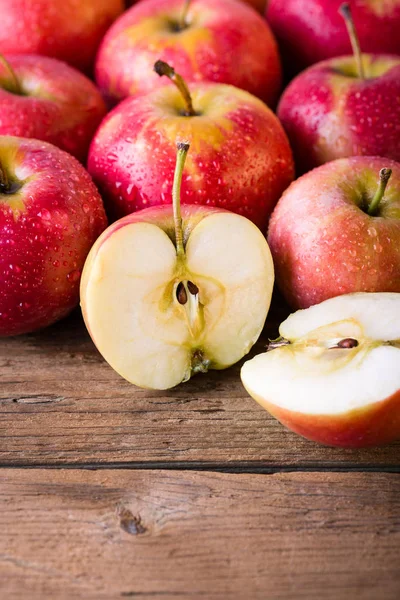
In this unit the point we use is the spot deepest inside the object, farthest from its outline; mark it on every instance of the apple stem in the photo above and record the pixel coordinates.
(384, 176)
(183, 149)
(183, 21)
(163, 68)
(16, 86)
(345, 11)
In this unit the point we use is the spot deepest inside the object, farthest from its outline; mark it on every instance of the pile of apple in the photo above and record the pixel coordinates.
(169, 106)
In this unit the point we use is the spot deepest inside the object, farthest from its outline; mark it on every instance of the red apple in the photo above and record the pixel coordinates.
(46, 99)
(167, 293)
(336, 230)
(334, 375)
(50, 215)
(329, 112)
(309, 31)
(215, 40)
(70, 30)
(241, 158)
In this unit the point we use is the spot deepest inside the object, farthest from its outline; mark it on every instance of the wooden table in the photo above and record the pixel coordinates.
(108, 491)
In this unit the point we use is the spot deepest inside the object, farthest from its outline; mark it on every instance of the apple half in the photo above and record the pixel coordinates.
(167, 294)
(334, 375)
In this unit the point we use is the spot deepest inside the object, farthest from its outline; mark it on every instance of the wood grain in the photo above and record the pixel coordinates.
(60, 403)
(157, 534)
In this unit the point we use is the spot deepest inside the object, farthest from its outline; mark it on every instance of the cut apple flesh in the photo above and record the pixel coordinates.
(157, 318)
(337, 367)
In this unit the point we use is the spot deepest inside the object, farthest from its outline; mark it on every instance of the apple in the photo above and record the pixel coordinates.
(336, 230)
(345, 106)
(334, 375)
(309, 31)
(242, 159)
(223, 41)
(46, 99)
(166, 293)
(50, 215)
(328, 112)
(69, 30)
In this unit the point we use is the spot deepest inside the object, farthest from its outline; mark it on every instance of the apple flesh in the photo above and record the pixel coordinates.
(329, 112)
(334, 377)
(324, 240)
(65, 29)
(309, 31)
(242, 159)
(160, 310)
(50, 215)
(44, 98)
(223, 41)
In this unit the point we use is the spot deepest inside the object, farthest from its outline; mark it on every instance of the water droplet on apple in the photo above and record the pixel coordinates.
(73, 276)
(44, 214)
(85, 208)
(56, 263)
(372, 231)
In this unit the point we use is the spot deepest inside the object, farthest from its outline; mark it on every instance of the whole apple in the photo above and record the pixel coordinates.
(334, 374)
(241, 158)
(336, 230)
(46, 99)
(69, 30)
(50, 216)
(205, 40)
(168, 293)
(329, 112)
(309, 31)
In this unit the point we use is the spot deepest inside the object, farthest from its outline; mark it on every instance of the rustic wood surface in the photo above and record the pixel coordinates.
(108, 491)
(151, 534)
(61, 404)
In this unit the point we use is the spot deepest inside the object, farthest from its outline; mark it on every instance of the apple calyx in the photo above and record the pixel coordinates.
(345, 12)
(186, 292)
(163, 68)
(384, 176)
(4, 181)
(13, 85)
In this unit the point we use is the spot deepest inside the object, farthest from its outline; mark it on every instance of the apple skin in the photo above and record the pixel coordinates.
(241, 158)
(309, 31)
(329, 115)
(259, 5)
(46, 231)
(375, 425)
(59, 105)
(70, 30)
(226, 43)
(324, 245)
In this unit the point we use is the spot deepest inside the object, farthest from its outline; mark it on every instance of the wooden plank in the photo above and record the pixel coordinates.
(60, 403)
(151, 534)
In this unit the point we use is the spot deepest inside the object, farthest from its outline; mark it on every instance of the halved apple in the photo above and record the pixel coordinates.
(165, 295)
(334, 375)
